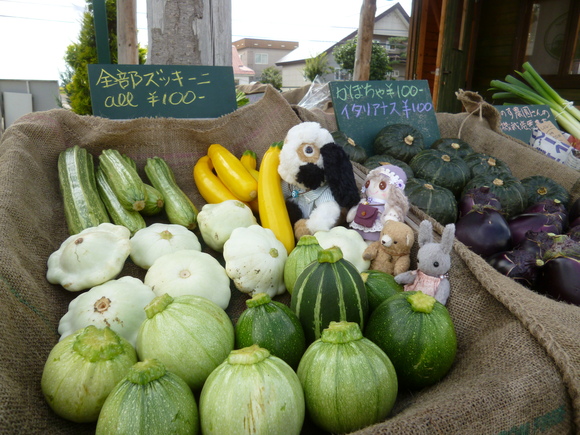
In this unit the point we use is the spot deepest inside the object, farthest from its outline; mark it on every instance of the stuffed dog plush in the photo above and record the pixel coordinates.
(318, 179)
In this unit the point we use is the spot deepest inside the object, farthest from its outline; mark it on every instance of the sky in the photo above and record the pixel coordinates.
(35, 34)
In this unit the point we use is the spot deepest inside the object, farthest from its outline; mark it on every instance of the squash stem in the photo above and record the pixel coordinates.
(258, 299)
(146, 371)
(421, 303)
(330, 255)
(248, 355)
(98, 344)
(157, 305)
(341, 332)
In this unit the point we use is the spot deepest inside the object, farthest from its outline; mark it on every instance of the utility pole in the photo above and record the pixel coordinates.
(189, 32)
(127, 50)
(362, 57)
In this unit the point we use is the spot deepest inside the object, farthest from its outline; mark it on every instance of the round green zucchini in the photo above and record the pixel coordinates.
(349, 383)
(273, 326)
(329, 289)
(417, 334)
(380, 286)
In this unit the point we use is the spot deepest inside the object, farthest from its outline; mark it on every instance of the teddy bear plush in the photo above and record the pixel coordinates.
(391, 253)
(317, 179)
(433, 263)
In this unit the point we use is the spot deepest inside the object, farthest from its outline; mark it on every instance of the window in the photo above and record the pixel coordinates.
(261, 58)
(553, 45)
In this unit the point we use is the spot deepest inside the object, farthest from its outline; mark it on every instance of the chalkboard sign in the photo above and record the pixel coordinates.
(177, 91)
(363, 108)
(519, 120)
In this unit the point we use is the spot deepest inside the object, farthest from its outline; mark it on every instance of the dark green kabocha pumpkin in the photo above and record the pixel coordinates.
(402, 141)
(384, 159)
(440, 168)
(354, 152)
(539, 188)
(437, 201)
(509, 190)
(452, 146)
(481, 163)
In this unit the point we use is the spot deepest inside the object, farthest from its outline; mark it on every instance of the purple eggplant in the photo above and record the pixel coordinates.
(560, 275)
(574, 223)
(549, 206)
(520, 224)
(559, 278)
(574, 211)
(520, 265)
(485, 231)
(537, 242)
(478, 196)
(574, 232)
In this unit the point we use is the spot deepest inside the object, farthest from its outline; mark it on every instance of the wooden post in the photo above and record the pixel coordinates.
(127, 51)
(364, 46)
(101, 31)
(189, 32)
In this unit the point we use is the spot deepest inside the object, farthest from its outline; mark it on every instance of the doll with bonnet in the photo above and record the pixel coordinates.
(383, 199)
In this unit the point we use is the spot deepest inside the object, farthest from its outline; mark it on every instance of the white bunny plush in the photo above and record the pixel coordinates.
(433, 264)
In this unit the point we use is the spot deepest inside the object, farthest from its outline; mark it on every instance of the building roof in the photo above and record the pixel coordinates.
(265, 43)
(238, 65)
(302, 53)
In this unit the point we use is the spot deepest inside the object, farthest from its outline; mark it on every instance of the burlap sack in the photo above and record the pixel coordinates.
(517, 368)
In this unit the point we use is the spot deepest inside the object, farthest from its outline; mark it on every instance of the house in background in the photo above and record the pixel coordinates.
(259, 54)
(242, 74)
(393, 23)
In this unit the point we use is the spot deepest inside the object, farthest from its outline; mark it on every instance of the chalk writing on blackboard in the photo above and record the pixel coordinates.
(362, 108)
(184, 91)
(519, 120)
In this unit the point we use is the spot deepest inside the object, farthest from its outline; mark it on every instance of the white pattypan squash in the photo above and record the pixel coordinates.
(349, 241)
(118, 304)
(156, 240)
(255, 260)
(217, 221)
(89, 258)
(190, 272)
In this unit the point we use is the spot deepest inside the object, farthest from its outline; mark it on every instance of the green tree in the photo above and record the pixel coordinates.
(345, 54)
(75, 79)
(273, 76)
(317, 66)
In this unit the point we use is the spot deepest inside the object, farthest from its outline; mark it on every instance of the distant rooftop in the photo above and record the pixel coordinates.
(265, 43)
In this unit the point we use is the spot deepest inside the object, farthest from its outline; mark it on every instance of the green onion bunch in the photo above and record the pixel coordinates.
(538, 91)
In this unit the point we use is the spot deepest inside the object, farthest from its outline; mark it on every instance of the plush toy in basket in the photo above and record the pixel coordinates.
(433, 263)
(383, 199)
(392, 252)
(318, 179)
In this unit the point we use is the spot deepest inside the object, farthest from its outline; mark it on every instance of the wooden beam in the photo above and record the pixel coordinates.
(127, 51)
(101, 31)
(364, 46)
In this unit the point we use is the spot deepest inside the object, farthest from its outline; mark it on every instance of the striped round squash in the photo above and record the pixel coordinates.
(329, 289)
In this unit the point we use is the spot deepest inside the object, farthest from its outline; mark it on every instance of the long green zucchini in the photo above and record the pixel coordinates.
(83, 207)
(178, 207)
(123, 179)
(130, 219)
(154, 201)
